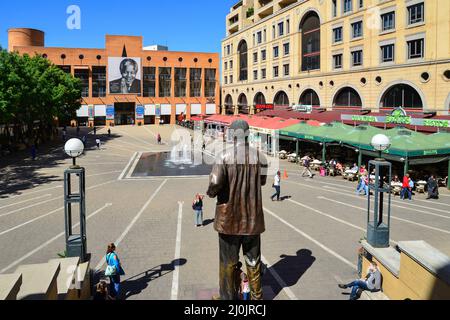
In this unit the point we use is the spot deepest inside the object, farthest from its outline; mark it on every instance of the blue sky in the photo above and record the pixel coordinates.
(183, 25)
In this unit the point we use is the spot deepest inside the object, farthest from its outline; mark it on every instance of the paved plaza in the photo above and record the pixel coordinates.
(310, 245)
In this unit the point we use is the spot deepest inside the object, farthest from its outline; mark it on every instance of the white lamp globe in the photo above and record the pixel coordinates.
(74, 148)
(381, 142)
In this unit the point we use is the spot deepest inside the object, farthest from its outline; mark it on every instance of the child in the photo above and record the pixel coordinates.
(245, 287)
(98, 142)
(101, 294)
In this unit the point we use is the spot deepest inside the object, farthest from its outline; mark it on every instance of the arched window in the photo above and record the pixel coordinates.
(229, 105)
(309, 98)
(347, 97)
(259, 99)
(242, 103)
(402, 95)
(281, 99)
(310, 29)
(243, 61)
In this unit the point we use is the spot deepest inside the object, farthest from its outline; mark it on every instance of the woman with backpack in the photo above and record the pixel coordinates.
(113, 271)
(197, 206)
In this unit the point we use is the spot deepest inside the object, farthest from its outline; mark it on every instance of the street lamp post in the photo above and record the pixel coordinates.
(378, 229)
(75, 243)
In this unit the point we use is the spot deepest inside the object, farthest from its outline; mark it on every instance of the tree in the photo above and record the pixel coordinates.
(33, 93)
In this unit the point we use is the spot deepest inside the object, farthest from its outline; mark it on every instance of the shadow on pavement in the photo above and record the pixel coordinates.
(290, 269)
(18, 172)
(208, 222)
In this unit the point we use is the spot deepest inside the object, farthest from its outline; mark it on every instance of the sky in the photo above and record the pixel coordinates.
(183, 25)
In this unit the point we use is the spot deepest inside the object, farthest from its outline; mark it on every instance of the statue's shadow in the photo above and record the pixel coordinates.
(290, 269)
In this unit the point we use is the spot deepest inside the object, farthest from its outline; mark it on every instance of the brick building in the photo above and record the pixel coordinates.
(127, 83)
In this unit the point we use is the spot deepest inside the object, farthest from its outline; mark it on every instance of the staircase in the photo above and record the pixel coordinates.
(58, 279)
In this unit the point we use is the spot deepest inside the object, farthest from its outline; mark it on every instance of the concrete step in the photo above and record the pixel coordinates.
(374, 295)
(67, 278)
(9, 286)
(39, 281)
(83, 280)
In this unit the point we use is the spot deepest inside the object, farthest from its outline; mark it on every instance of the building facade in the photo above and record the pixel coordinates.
(127, 83)
(373, 55)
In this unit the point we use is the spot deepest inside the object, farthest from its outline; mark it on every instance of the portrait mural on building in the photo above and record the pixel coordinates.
(124, 75)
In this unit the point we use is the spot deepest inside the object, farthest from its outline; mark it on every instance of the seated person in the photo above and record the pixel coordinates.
(355, 168)
(371, 283)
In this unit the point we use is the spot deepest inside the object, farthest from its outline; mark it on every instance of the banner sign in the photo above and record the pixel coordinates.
(158, 110)
(124, 75)
(140, 112)
(110, 112)
(91, 112)
(264, 107)
(398, 116)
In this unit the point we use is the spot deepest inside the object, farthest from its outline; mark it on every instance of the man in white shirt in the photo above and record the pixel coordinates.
(372, 282)
(277, 186)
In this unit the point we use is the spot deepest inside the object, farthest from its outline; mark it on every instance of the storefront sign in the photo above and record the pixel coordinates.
(264, 107)
(436, 123)
(140, 112)
(110, 112)
(158, 110)
(364, 118)
(302, 108)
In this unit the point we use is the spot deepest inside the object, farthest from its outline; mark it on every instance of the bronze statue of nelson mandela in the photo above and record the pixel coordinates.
(236, 180)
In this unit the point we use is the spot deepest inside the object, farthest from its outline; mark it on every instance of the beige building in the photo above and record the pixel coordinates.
(337, 55)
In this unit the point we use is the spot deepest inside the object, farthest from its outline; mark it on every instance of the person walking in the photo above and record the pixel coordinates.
(236, 180)
(306, 162)
(33, 152)
(277, 186)
(406, 187)
(363, 184)
(98, 143)
(109, 132)
(198, 209)
(433, 188)
(64, 134)
(159, 139)
(113, 271)
(95, 131)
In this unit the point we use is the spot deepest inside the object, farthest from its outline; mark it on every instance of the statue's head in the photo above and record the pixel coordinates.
(240, 131)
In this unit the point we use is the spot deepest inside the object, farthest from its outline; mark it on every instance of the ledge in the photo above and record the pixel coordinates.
(428, 257)
(38, 280)
(66, 277)
(388, 257)
(10, 286)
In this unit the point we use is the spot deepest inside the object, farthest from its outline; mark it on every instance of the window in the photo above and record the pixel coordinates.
(243, 63)
(286, 48)
(357, 58)
(281, 29)
(180, 82)
(288, 26)
(337, 34)
(255, 57)
(196, 82)
(357, 29)
(149, 82)
(231, 64)
(334, 8)
(255, 74)
(416, 13)
(361, 3)
(83, 75)
(348, 98)
(263, 73)
(228, 50)
(275, 72)
(226, 66)
(415, 49)
(210, 83)
(275, 52)
(337, 61)
(165, 82)
(388, 21)
(263, 55)
(99, 81)
(310, 29)
(273, 32)
(226, 80)
(231, 79)
(265, 35)
(66, 69)
(387, 53)
(259, 37)
(402, 95)
(347, 6)
(286, 70)
(309, 98)
(254, 39)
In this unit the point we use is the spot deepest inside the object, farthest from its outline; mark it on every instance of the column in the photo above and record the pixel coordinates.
(324, 153)
(406, 166)
(360, 158)
(448, 180)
